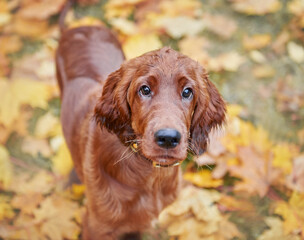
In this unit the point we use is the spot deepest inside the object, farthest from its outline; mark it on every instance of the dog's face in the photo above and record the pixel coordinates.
(164, 102)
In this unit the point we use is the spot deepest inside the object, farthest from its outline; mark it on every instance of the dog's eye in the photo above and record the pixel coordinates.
(187, 93)
(145, 91)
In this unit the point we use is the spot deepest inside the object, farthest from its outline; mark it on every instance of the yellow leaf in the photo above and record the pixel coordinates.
(36, 146)
(10, 44)
(256, 41)
(263, 71)
(18, 92)
(6, 210)
(141, 43)
(86, 21)
(41, 182)
(256, 7)
(203, 178)
(216, 24)
(195, 48)
(230, 61)
(233, 110)
(55, 215)
(257, 56)
(62, 161)
(282, 158)
(275, 231)
(47, 126)
(5, 168)
(123, 25)
(30, 27)
(180, 26)
(296, 6)
(293, 213)
(193, 214)
(295, 52)
(41, 9)
(27, 202)
(5, 15)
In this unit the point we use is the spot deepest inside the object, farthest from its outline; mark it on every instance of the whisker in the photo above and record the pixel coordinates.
(124, 157)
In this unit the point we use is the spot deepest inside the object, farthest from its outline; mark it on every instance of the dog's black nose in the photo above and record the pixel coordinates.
(167, 138)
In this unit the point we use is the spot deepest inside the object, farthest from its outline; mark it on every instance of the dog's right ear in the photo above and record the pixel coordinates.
(112, 110)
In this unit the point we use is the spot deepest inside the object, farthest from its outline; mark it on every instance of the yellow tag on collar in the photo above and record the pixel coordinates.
(134, 147)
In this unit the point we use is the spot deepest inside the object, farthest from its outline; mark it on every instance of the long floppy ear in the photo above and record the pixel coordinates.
(209, 113)
(112, 110)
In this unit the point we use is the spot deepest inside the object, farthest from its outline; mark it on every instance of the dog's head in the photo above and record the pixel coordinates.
(164, 102)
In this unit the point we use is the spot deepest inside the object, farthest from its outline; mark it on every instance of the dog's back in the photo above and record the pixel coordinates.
(84, 59)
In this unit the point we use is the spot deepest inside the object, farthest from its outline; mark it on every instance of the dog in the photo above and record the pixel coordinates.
(128, 125)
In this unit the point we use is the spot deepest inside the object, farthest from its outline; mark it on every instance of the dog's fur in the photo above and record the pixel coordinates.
(103, 113)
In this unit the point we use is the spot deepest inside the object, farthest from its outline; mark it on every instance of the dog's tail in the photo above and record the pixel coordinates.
(65, 9)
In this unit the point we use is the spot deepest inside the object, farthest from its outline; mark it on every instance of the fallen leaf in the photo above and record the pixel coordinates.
(6, 170)
(18, 92)
(257, 174)
(263, 71)
(44, 63)
(30, 27)
(296, 7)
(139, 44)
(216, 24)
(41, 9)
(276, 230)
(27, 202)
(192, 214)
(41, 182)
(4, 65)
(257, 56)
(230, 61)
(292, 213)
(195, 47)
(55, 215)
(180, 26)
(6, 210)
(279, 44)
(203, 178)
(256, 7)
(296, 179)
(10, 44)
(86, 21)
(124, 26)
(62, 161)
(295, 52)
(283, 155)
(256, 41)
(47, 126)
(36, 146)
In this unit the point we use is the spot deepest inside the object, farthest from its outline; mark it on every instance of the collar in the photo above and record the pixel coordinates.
(135, 149)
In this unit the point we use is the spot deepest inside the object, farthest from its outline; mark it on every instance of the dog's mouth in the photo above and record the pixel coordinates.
(165, 161)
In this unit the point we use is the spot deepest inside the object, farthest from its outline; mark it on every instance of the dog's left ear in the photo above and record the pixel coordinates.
(209, 113)
(112, 110)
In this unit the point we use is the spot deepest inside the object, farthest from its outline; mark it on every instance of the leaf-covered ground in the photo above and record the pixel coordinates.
(249, 184)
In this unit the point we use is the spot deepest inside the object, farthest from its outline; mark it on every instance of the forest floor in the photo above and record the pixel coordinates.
(250, 182)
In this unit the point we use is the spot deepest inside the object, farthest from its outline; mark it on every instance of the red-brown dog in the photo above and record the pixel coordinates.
(128, 124)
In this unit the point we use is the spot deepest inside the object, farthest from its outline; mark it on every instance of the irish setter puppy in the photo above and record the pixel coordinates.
(128, 124)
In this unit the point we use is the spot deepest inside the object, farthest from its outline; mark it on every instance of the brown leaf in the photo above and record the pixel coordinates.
(296, 179)
(30, 27)
(10, 44)
(263, 71)
(256, 41)
(256, 7)
(257, 173)
(27, 202)
(40, 9)
(55, 215)
(223, 26)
